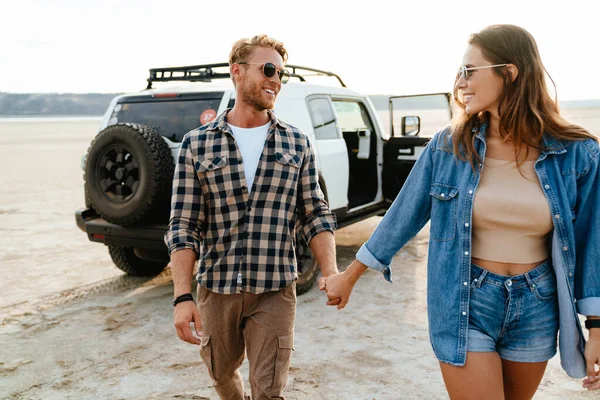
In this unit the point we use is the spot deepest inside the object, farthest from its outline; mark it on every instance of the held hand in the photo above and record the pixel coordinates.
(592, 358)
(338, 287)
(185, 313)
(331, 301)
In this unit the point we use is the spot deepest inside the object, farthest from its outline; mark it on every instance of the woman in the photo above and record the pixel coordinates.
(513, 194)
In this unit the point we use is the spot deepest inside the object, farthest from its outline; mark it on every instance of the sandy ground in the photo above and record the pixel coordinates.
(72, 326)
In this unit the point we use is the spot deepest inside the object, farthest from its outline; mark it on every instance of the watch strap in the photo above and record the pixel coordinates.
(182, 298)
(592, 323)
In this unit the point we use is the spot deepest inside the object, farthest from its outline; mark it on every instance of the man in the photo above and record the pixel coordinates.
(241, 185)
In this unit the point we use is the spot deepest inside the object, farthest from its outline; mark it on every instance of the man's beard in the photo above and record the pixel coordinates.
(252, 95)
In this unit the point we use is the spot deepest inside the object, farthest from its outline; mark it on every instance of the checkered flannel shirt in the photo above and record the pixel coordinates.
(244, 240)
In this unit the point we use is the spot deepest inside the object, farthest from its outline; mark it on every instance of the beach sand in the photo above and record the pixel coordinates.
(72, 326)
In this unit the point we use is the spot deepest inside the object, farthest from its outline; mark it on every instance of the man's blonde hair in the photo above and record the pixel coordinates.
(242, 49)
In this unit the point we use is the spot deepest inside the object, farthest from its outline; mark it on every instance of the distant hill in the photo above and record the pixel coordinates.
(39, 104)
(580, 103)
(95, 104)
(382, 102)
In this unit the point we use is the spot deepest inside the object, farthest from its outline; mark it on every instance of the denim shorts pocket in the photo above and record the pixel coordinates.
(443, 212)
(545, 289)
(474, 284)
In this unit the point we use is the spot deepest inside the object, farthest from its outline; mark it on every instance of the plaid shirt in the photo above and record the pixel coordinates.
(245, 240)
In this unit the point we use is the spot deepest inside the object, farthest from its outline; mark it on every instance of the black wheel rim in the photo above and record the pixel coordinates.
(117, 174)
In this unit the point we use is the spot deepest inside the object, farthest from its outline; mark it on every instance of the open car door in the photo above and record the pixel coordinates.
(413, 122)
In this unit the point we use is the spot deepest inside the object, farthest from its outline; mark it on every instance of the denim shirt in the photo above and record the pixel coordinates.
(441, 187)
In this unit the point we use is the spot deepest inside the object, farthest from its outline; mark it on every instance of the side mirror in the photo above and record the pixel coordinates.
(411, 125)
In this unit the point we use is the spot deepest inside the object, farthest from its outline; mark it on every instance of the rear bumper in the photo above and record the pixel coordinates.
(101, 231)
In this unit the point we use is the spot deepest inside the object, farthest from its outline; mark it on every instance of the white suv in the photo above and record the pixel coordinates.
(129, 166)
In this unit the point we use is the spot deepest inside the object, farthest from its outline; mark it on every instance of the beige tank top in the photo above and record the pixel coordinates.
(511, 216)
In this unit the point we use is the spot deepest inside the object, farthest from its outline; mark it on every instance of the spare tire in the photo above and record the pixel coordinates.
(127, 261)
(308, 268)
(129, 175)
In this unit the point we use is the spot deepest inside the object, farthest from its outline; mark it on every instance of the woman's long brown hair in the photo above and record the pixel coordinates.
(525, 107)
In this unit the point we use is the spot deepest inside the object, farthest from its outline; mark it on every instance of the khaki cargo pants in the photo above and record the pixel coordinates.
(262, 325)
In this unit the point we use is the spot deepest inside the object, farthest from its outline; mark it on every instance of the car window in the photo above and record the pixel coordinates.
(432, 109)
(171, 119)
(352, 115)
(323, 119)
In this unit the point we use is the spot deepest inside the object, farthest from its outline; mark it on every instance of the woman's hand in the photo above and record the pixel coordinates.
(339, 286)
(592, 358)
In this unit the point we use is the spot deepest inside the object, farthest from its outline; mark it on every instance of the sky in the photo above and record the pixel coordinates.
(394, 47)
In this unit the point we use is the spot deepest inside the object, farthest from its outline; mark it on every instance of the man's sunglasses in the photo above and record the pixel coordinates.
(464, 72)
(269, 71)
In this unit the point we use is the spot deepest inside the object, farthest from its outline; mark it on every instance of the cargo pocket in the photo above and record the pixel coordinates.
(206, 355)
(282, 363)
(444, 206)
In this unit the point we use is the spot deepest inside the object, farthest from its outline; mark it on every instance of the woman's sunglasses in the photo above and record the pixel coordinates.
(464, 72)
(269, 71)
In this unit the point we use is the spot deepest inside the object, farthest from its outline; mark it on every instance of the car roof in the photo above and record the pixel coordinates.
(289, 90)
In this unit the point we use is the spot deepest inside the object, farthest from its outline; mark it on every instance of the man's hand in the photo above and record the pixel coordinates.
(185, 313)
(331, 301)
(323, 247)
(338, 288)
(592, 358)
(182, 265)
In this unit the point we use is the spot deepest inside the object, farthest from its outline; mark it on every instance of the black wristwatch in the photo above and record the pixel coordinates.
(592, 323)
(182, 298)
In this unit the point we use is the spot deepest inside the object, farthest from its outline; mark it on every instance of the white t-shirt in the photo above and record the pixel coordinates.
(251, 142)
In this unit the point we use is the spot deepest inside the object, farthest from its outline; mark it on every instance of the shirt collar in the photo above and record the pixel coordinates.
(220, 123)
(550, 144)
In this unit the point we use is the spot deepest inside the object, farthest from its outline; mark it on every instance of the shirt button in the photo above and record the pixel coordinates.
(557, 216)
(547, 187)
(467, 224)
(249, 209)
(566, 248)
(570, 274)
(464, 313)
(246, 235)
(465, 283)
(443, 195)
(470, 192)
(466, 253)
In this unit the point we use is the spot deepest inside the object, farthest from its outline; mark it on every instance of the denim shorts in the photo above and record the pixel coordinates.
(515, 316)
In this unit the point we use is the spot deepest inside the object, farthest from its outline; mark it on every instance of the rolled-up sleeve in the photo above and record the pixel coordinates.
(313, 211)
(587, 235)
(187, 204)
(407, 215)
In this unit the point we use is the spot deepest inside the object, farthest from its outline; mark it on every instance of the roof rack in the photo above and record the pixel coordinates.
(206, 73)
